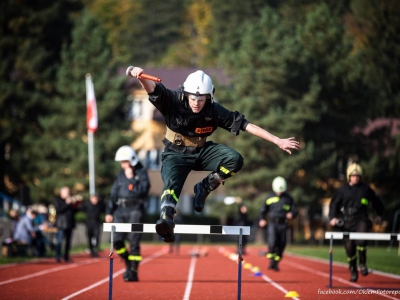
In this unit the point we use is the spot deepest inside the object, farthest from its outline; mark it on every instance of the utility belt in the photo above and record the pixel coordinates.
(182, 140)
(123, 202)
(352, 213)
(278, 220)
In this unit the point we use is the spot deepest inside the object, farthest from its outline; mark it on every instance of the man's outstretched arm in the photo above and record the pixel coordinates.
(148, 85)
(284, 144)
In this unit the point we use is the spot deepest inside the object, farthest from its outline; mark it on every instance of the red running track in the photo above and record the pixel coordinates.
(171, 276)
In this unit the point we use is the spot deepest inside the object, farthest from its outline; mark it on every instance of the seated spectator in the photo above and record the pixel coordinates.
(13, 216)
(25, 233)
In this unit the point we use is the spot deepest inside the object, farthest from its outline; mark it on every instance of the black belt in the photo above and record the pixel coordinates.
(278, 220)
(180, 149)
(123, 202)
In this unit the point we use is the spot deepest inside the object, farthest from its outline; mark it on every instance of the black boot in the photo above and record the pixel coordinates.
(271, 263)
(353, 270)
(362, 254)
(165, 226)
(132, 272)
(203, 189)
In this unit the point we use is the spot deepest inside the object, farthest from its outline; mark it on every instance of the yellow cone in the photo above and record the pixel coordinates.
(247, 266)
(292, 294)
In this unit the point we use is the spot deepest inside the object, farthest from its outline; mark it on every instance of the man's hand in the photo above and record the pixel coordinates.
(68, 200)
(333, 222)
(109, 218)
(128, 173)
(289, 216)
(262, 223)
(290, 143)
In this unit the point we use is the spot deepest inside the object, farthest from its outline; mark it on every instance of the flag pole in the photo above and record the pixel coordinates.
(91, 126)
(91, 162)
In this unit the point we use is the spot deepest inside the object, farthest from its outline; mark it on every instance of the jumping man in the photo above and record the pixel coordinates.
(191, 115)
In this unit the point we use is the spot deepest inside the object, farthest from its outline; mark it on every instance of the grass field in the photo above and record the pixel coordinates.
(378, 258)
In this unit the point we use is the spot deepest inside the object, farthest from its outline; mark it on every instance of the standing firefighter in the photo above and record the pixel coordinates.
(280, 207)
(352, 201)
(126, 205)
(191, 115)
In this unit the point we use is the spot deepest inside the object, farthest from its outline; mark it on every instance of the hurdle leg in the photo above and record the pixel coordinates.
(111, 256)
(240, 259)
(330, 260)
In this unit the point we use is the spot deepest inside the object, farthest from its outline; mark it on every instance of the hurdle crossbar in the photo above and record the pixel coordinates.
(183, 229)
(179, 228)
(370, 236)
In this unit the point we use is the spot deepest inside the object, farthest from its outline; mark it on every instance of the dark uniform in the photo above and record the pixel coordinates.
(186, 149)
(277, 207)
(127, 206)
(65, 223)
(352, 202)
(93, 224)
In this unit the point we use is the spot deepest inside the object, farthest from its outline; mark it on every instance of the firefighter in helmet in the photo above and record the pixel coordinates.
(280, 208)
(352, 201)
(191, 116)
(126, 205)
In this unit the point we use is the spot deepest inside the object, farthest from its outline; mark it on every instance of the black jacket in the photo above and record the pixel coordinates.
(65, 214)
(354, 201)
(93, 212)
(135, 188)
(278, 206)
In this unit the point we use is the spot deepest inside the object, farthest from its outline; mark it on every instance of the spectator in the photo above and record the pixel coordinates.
(13, 216)
(25, 233)
(65, 222)
(93, 209)
(243, 220)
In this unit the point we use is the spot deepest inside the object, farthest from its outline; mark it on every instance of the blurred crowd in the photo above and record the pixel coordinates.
(40, 230)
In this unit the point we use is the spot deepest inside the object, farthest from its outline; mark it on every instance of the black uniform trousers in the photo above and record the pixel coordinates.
(351, 246)
(93, 236)
(132, 214)
(276, 239)
(212, 157)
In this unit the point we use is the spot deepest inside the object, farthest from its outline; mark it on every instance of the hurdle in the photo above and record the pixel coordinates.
(181, 229)
(369, 236)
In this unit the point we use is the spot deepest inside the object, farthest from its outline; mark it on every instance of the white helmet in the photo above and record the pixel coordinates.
(127, 153)
(279, 185)
(354, 169)
(199, 83)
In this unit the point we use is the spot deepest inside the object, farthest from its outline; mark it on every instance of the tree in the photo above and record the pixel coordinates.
(31, 37)
(297, 71)
(140, 31)
(61, 151)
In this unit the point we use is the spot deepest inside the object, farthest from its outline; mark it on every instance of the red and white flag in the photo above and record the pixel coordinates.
(91, 113)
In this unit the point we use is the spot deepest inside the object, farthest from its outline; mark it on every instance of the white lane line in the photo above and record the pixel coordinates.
(277, 286)
(190, 277)
(266, 278)
(61, 268)
(326, 275)
(325, 261)
(147, 259)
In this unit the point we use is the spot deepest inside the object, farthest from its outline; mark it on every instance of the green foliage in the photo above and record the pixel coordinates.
(31, 38)
(61, 151)
(297, 71)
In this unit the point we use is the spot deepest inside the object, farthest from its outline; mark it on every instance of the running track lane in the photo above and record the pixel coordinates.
(170, 276)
